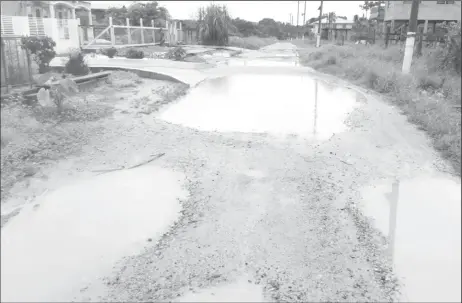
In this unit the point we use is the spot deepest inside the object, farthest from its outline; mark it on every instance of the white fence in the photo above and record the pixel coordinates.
(65, 32)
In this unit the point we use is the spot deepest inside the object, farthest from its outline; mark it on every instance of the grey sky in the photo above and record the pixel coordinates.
(253, 10)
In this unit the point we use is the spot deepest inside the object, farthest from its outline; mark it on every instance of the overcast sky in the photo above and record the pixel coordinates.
(253, 10)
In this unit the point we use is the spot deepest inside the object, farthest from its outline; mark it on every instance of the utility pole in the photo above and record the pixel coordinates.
(410, 39)
(318, 38)
(298, 8)
(304, 21)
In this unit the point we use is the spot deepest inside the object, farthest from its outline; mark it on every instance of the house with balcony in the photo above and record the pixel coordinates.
(335, 29)
(58, 20)
(431, 12)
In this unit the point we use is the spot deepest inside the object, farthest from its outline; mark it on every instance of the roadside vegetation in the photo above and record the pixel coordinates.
(430, 95)
(33, 134)
(216, 27)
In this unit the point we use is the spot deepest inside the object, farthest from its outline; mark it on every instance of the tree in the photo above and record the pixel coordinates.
(370, 4)
(136, 11)
(214, 25)
(246, 28)
(270, 28)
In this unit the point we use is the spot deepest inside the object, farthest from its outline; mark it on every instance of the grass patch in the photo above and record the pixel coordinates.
(252, 42)
(429, 96)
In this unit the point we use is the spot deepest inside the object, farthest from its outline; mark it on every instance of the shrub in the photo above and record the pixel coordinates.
(76, 64)
(42, 49)
(134, 53)
(177, 53)
(110, 52)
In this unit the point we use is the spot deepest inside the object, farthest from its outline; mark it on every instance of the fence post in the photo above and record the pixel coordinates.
(142, 31)
(112, 31)
(5, 66)
(373, 36)
(153, 32)
(129, 40)
(387, 36)
(418, 49)
(29, 68)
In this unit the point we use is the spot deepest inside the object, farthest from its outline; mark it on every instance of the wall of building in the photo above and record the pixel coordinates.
(428, 10)
(12, 8)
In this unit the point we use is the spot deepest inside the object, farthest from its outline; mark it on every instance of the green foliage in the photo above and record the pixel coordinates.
(76, 64)
(246, 28)
(146, 11)
(451, 57)
(134, 53)
(42, 49)
(214, 25)
(177, 54)
(110, 52)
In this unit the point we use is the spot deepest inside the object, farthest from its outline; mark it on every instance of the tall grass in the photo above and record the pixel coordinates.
(430, 95)
(214, 24)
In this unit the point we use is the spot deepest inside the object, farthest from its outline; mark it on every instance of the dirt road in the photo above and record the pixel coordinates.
(269, 169)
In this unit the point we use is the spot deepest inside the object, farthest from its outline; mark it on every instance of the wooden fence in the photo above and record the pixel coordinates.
(127, 35)
(16, 65)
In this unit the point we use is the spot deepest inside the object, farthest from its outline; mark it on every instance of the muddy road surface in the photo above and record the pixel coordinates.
(270, 183)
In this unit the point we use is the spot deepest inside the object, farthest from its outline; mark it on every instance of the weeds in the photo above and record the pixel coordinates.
(427, 95)
(110, 52)
(177, 54)
(134, 53)
(76, 64)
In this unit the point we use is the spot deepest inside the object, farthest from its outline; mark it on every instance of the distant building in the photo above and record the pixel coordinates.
(189, 32)
(397, 13)
(339, 27)
(377, 13)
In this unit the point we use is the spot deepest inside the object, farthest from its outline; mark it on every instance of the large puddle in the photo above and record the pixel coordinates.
(265, 103)
(77, 233)
(427, 245)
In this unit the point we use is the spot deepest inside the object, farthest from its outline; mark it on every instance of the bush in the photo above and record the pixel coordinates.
(42, 49)
(177, 53)
(76, 64)
(134, 53)
(110, 52)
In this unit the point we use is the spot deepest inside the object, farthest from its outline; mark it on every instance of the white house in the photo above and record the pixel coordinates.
(57, 19)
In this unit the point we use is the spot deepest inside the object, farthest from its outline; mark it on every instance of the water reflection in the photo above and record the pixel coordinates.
(265, 103)
(422, 220)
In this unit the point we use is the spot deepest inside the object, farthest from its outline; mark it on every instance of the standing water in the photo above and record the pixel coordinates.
(265, 103)
(79, 232)
(427, 246)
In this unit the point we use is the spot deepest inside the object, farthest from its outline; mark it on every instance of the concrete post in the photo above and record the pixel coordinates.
(111, 30)
(153, 32)
(410, 40)
(142, 31)
(129, 36)
(90, 32)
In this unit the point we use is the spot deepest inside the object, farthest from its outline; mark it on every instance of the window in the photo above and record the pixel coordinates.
(445, 2)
